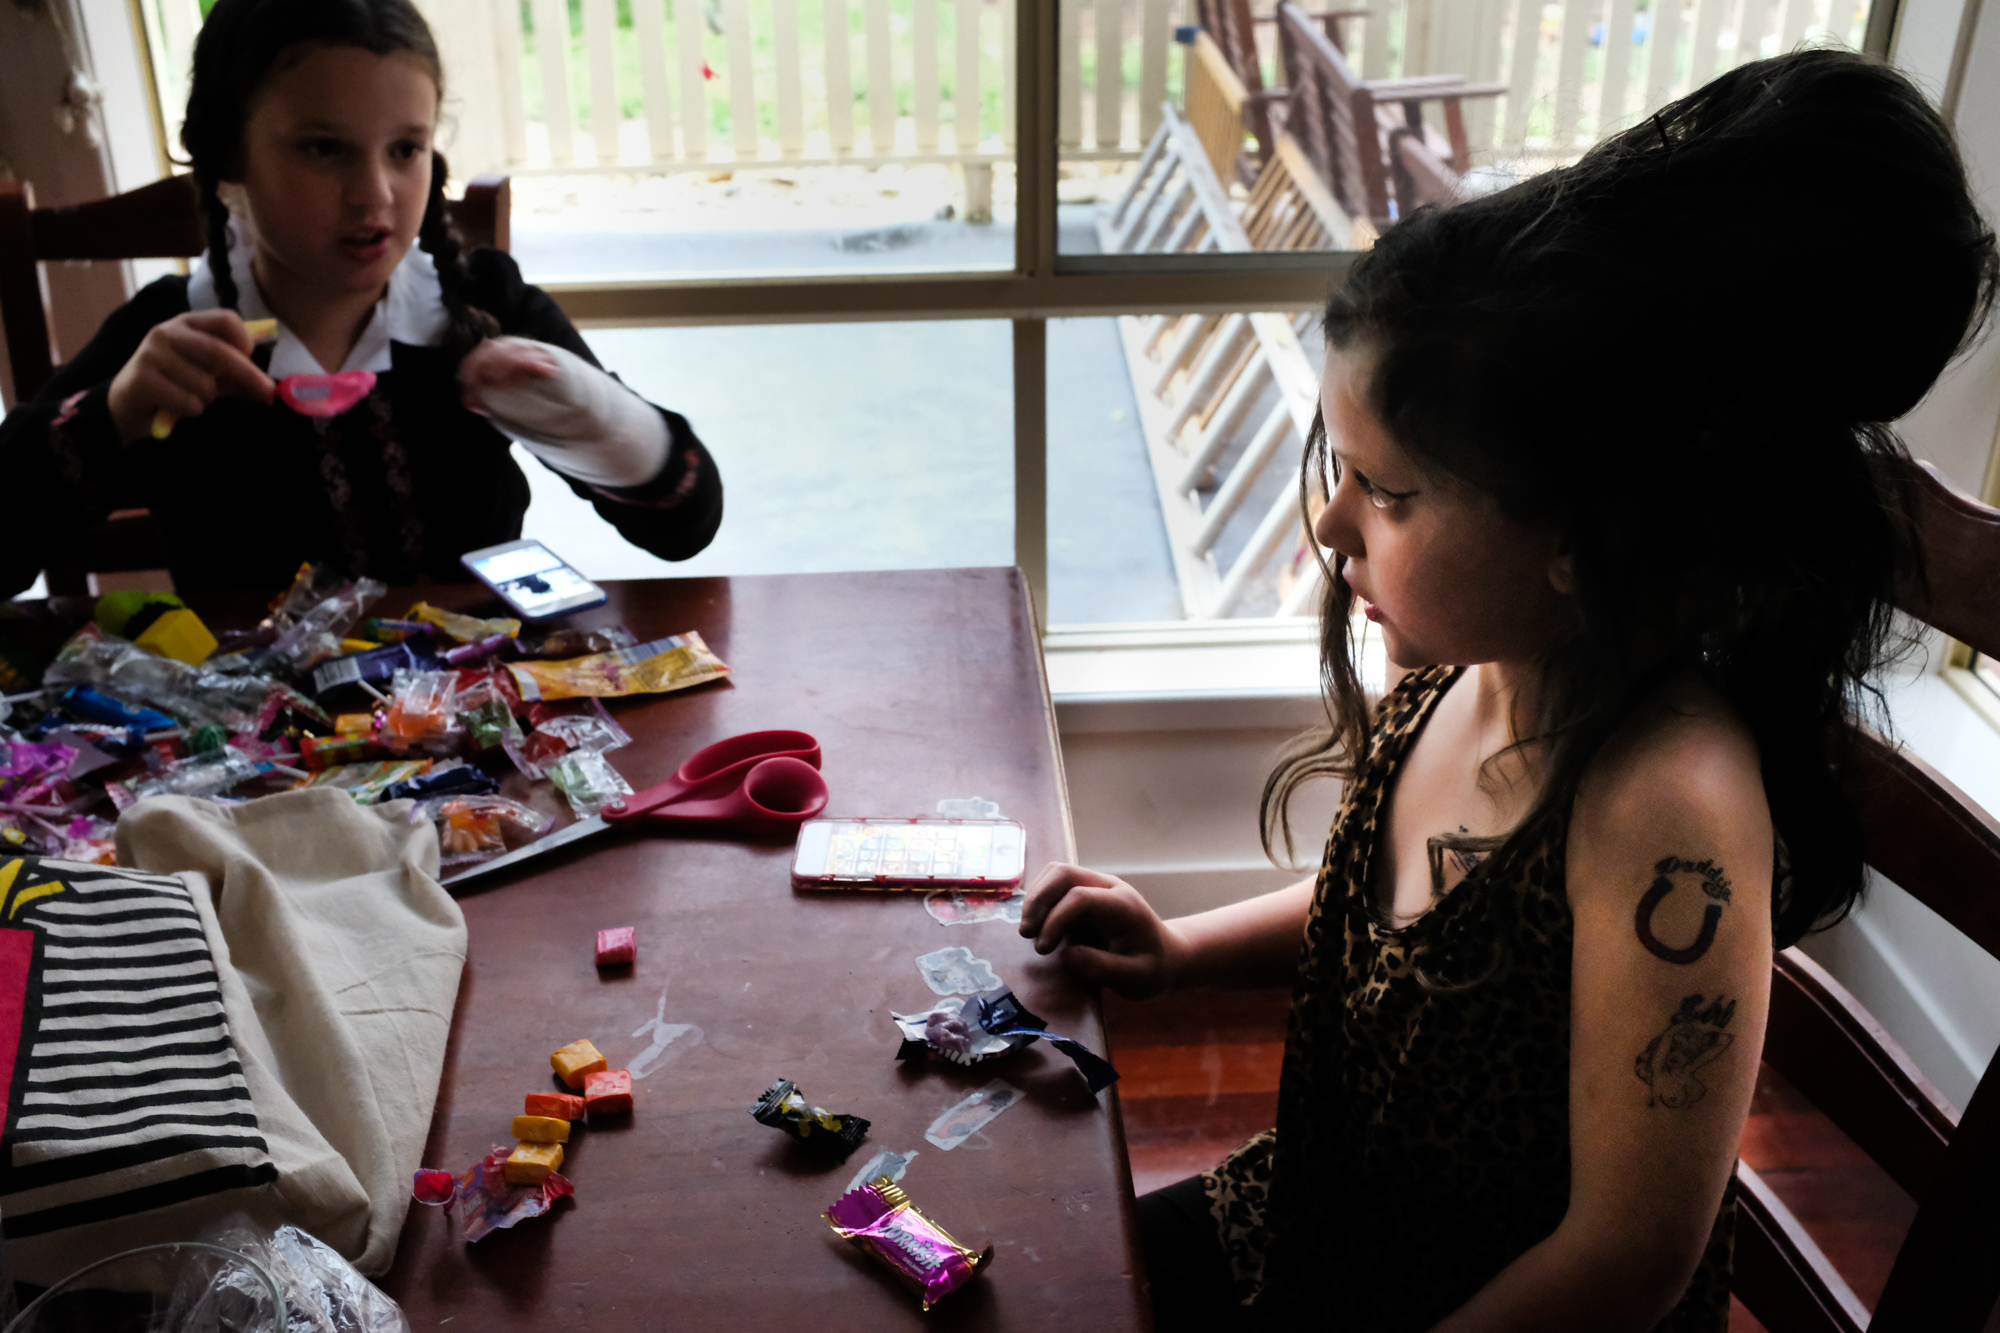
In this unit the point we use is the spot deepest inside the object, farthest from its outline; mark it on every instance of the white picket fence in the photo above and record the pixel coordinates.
(691, 83)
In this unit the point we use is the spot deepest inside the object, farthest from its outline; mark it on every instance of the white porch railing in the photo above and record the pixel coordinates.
(686, 84)
(1577, 70)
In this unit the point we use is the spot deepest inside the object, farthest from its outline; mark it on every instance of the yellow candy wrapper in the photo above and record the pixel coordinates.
(466, 629)
(659, 667)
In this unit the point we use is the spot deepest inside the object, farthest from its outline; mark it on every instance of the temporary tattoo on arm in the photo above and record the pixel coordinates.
(1694, 1036)
(1466, 857)
(1713, 883)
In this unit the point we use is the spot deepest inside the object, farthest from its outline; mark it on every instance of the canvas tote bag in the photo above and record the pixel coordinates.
(250, 1022)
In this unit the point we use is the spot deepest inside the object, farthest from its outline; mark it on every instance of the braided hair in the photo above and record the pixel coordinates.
(241, 45)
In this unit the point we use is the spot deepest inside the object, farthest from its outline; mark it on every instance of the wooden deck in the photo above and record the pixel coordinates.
(1200, 1075)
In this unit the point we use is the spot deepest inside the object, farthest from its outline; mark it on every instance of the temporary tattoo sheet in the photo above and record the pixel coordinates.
(954, 971)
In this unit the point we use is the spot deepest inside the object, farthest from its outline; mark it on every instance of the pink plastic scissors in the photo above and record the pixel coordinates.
(762, 784)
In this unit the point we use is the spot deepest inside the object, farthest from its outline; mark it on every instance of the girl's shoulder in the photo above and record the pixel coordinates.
(1683, 768)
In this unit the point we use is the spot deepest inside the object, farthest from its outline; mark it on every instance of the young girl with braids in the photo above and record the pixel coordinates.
(1606, 453)
(310, 126)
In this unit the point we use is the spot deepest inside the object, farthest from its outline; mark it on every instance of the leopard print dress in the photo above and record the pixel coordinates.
(1422, 1141)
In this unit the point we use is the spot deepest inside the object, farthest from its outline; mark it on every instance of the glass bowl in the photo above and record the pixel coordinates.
(180, 1288)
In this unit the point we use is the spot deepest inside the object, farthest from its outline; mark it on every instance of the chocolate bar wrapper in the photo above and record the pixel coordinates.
(880, 1219)
(782, 1107)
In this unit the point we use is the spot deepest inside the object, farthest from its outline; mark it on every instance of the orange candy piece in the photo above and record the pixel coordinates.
(555, 1105)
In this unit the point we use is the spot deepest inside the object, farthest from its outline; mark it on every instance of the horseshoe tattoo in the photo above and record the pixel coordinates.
(1643, 923)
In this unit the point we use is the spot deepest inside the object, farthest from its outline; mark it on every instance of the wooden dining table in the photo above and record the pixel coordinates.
(921, 686)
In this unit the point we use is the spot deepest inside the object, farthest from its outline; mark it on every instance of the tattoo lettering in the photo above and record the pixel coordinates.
(1694, 1036)
(1713, 883)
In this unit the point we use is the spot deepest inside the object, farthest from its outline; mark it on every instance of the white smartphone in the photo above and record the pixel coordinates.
(532, 579)
(929, 853)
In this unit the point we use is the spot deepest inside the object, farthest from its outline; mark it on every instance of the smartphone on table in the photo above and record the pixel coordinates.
(532, 579)
(923, 853)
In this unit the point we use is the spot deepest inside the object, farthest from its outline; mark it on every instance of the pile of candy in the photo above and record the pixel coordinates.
(507, 1187)
(145, 700)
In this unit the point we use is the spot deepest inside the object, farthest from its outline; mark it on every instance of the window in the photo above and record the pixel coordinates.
(1117, 217)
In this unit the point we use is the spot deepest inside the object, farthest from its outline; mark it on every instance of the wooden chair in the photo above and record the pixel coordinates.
(159, 221)
(1342, 121)
(1927, 837)
(1233, 30)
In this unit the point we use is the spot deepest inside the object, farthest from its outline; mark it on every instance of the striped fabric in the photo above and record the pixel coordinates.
(124, 1091)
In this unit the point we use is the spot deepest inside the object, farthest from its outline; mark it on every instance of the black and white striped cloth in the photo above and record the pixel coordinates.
(126, 1091)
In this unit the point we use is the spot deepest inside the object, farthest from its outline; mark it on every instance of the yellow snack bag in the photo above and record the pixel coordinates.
(659, 667)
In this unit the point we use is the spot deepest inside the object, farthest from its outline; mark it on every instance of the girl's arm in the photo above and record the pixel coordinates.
(1110, 935)
(1669, 879)
(675, 511)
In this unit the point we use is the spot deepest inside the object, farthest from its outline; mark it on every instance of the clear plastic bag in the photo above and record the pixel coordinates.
(422, 715)
(577, 726)
(589, 780)
(317, 634)
(195, 694)
(476, 828)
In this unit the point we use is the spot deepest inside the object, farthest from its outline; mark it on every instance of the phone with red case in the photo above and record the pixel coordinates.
(922, 853)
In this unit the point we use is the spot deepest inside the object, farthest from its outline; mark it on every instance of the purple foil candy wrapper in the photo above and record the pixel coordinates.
(490, 1202)
(881, 1220)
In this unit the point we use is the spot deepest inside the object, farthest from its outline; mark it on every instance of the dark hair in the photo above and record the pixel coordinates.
(244, 42)
(1784, 260)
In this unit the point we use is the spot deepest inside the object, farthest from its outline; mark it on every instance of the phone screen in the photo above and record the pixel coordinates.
(906, 850)
(533, 579)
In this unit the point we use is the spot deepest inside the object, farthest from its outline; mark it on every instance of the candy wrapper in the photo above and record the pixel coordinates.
(197, 694)
(29, 769)
(590, 782)
(485, 712)
(374, 667)
(366, 782)
(561, 643)
(569, 727)
(659, 667)
(465, 629)
(782, 1107)
(447, 779)
(210, 774)
(880, 1219)
(476, 828)
(980, 1027)
(490, 1204)
(422, 716)
(316, 635)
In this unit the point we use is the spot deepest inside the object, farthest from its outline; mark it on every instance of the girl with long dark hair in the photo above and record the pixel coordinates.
(1604, 463)
(310, 128)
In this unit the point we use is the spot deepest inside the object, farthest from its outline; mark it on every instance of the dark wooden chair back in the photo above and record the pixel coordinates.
(1420, 175)
(163, 220)
(1931, 840)
(1332, 117)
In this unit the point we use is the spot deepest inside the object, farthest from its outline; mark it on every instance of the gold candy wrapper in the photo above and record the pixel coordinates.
(659, 667)
(466, 629)
(880, 1218)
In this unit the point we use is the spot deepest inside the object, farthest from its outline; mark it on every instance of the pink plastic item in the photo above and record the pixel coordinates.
(325, 395)
(620, 944)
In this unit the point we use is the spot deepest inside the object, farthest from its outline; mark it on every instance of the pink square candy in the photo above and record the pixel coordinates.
(620, 944)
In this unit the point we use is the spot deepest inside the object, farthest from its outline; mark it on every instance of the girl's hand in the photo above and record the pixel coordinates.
(502, 363)
(1107, 932)
(184, 365)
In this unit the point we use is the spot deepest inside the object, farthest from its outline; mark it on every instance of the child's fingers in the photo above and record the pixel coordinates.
(224, 326)
(228, 367)
(1086, 912)
(1055, 879)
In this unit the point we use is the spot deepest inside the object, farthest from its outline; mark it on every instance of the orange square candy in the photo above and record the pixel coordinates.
(608, 1092)
(555, 1105)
